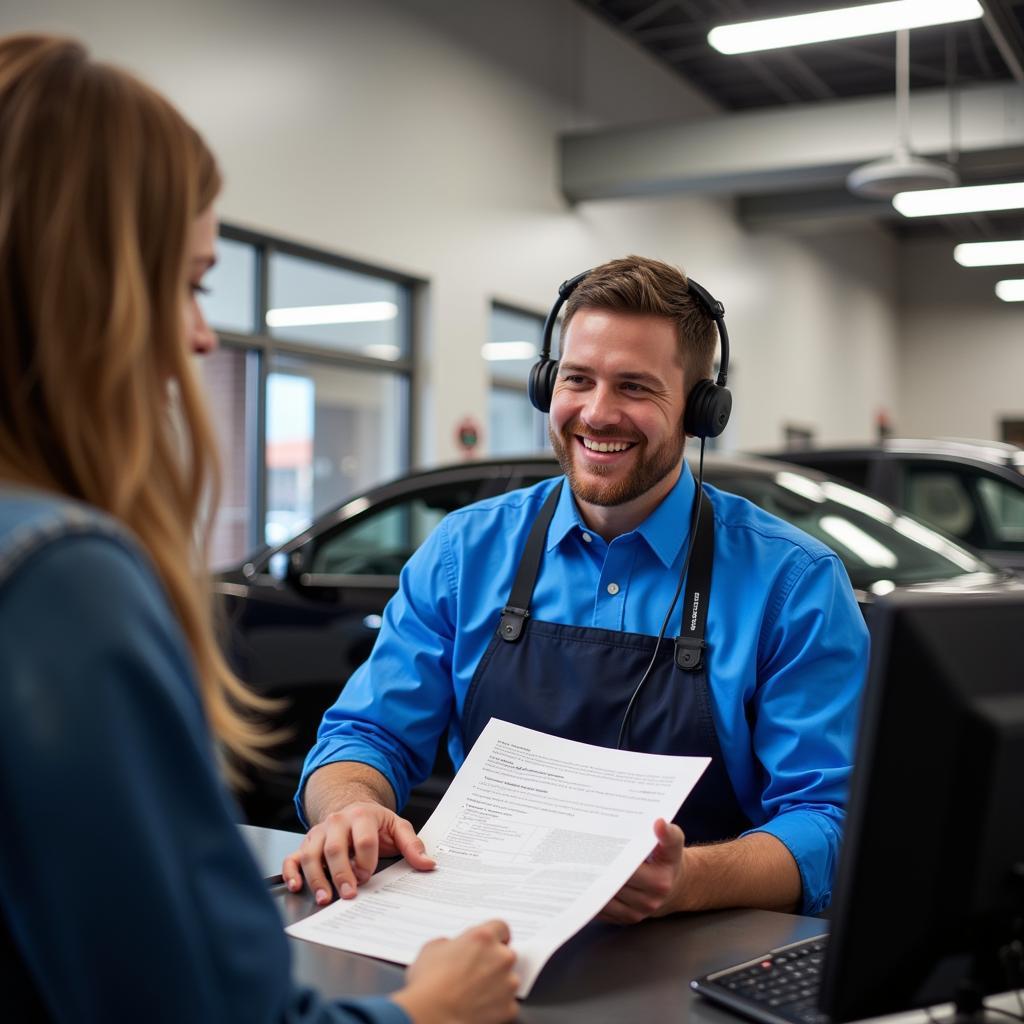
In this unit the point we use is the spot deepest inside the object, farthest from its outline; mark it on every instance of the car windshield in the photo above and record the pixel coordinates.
(880, 547)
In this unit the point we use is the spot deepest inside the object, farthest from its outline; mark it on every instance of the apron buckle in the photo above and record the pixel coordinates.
(512, 622)
(689, 653)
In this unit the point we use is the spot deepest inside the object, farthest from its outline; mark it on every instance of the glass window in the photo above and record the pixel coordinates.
(381, 541)
(515, 341)
(333, 308)
(229, 376)
(331, 433)
(1004, 506)
(230, 304)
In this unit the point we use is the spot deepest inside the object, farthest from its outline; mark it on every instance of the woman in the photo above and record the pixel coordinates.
(126, 893)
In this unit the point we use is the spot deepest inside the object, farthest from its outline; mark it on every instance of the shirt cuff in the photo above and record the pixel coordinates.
(333, 750)
(812, 838)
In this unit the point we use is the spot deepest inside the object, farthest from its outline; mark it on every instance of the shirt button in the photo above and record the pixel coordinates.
(587, 538)
(613, 588)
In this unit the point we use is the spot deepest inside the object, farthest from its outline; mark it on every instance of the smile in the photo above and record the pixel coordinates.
(605, 446)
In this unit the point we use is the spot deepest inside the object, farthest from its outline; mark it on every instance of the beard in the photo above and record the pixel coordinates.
(651, 465)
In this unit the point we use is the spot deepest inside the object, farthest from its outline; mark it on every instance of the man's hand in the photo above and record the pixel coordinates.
(344, 848)
(654, 887)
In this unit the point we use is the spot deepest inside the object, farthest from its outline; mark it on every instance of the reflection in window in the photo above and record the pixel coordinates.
(515, 338)
(335, 308)
(332, 432)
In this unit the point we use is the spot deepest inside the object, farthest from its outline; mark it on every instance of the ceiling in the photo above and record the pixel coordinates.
(947, 57)
(675, 32)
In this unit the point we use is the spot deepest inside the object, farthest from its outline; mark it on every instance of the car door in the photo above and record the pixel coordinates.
(298, 638)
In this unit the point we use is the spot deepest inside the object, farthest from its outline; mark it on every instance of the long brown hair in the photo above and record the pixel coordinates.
(100, 181)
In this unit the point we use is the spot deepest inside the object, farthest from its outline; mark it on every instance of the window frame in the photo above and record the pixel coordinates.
(267, 347)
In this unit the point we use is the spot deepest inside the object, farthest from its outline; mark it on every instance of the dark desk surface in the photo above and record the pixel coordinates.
(605, 973)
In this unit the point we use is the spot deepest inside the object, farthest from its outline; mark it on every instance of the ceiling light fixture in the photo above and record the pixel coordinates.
(1011, 291)
(496, 351)
(343, 313)
(989, 254)
(845, 23)
(939, 202)
(903, 171)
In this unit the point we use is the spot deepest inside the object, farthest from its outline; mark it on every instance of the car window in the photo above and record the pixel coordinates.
(1004, 509)
(380, 541)
(853, 471)
(943, 499)
(879, 546)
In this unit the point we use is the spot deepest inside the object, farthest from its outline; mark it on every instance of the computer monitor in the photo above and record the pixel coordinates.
(929, 898)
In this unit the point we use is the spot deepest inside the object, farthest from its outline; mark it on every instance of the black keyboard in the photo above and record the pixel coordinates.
(781, 986)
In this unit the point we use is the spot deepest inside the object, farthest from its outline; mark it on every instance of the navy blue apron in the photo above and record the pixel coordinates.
(576, 682)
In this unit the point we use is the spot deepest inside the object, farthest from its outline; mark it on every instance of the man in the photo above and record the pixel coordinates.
(772, 700)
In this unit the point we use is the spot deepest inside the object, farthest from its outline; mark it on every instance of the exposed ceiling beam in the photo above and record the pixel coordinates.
(1005, 31)
(784, 149)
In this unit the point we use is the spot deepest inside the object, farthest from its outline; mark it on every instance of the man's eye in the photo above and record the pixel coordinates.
(198, 288)
(573, 378)
(630, 386)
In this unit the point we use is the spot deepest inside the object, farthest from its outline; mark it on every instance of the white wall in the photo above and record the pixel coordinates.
(963, 351)
(420, 135)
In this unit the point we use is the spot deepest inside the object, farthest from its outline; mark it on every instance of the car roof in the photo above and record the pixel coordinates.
(998, 453)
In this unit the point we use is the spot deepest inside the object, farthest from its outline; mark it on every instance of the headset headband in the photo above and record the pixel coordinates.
(707, 301)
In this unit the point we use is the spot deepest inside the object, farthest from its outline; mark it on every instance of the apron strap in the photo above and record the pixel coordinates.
(690, 642)
(517, 611)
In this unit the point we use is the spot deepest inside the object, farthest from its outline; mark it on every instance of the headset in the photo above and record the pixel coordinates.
(707, 406)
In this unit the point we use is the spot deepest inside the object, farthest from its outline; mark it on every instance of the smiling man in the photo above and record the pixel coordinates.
(770, 698)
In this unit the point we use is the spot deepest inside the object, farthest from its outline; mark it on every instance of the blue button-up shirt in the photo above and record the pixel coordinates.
(787, 649)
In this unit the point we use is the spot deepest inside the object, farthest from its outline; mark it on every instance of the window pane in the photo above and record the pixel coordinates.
(331, 434)
(228, 374)
(513, 344)
(231, 302)
(337, 309)
(1005, 507)
(516, 428)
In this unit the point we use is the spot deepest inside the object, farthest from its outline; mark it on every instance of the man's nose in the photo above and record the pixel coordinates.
(603, 407)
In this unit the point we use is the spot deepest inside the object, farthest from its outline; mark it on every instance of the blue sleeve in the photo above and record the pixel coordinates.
(394, 708)
(813, 657)
(124, 883)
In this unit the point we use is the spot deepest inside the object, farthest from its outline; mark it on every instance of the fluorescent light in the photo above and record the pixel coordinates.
(937, 202)
(499, 350)
(845, 23)
(345, 313)
(989, 254)
(382, 351)
(1011, 291)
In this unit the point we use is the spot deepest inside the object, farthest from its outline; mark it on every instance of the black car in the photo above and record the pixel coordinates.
(972, 490)
(304, 615)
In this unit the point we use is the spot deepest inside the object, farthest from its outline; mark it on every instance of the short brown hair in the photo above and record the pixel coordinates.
(648, 287)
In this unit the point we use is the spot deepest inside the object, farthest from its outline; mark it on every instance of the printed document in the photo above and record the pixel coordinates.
(539, 831)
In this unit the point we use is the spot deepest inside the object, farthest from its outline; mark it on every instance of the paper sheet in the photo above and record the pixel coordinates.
(536, 830)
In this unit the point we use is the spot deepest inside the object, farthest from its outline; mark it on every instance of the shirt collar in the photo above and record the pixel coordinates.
(665, 530)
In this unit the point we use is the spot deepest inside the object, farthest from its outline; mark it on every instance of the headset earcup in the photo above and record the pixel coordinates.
(541, 385)
(707, 409)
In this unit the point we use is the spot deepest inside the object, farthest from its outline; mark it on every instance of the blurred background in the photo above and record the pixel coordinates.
(408, 181)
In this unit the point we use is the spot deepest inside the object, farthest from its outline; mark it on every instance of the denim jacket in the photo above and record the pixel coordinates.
(126, 891)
